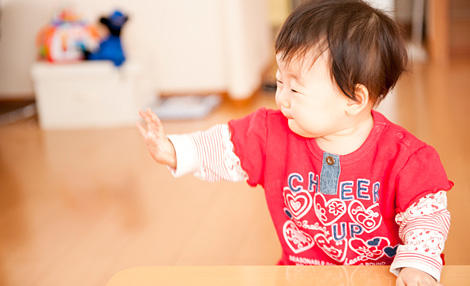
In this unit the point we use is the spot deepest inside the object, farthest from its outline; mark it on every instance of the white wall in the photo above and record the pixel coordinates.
(386, 5)
(181, 45)
(248, 44)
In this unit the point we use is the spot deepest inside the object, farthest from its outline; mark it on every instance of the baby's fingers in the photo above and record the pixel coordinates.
(146, 116)
(142, 129)
(143, 115)
(154, 116)
(154, 123)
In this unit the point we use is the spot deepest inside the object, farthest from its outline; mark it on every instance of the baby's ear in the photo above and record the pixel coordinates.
(361, 102)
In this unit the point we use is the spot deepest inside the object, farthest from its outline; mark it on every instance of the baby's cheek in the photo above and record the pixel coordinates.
(294, 127)
(298, 129)
(278, 98)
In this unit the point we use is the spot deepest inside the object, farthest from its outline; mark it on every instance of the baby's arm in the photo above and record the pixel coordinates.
(207, 154)
(423, 230)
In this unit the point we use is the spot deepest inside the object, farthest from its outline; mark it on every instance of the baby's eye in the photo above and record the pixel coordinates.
(278, 81)
(294, 91)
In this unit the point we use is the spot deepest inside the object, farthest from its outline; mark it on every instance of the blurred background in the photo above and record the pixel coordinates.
(81, 199)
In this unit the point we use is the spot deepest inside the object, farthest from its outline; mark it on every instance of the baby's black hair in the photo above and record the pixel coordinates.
(364, 44)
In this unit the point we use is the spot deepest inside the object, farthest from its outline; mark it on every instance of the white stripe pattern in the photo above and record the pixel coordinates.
(215, 159)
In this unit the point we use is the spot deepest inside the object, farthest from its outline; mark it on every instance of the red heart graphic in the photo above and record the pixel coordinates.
(328, 212)
(296, 239)
(299, 203)
(372, 250)
(370, 218)
(332, 248)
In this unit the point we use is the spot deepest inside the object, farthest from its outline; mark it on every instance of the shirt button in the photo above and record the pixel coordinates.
(330, 160)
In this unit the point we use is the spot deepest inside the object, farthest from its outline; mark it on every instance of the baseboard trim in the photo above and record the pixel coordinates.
(17, 98)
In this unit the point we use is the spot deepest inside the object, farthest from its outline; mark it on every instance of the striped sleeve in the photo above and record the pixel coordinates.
(208, 155)
(423, 228)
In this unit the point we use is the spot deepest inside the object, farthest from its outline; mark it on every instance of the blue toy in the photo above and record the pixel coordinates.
(110, 48)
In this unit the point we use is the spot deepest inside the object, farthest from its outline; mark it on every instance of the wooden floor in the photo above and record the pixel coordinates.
(78, 206)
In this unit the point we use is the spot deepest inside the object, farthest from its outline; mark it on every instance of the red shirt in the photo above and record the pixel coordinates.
(330, 209)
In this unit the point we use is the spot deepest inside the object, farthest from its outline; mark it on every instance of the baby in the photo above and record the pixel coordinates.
(343, 184)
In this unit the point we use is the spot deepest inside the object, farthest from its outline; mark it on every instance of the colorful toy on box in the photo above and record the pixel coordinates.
(110, 47)
(62, 39)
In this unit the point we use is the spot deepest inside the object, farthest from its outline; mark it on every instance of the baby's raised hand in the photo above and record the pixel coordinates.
(158, 144)
(414, 277)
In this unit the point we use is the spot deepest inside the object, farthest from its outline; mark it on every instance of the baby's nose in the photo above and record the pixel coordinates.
(282, 98)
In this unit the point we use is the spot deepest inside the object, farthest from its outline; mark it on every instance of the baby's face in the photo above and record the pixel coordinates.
(306, 95)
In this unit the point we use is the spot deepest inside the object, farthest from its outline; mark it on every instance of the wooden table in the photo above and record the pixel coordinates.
(273, 275)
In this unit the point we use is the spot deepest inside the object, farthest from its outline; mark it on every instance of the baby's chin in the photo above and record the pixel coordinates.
(294, 127)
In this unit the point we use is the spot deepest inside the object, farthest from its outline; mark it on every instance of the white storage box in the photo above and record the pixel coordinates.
(86, 94)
